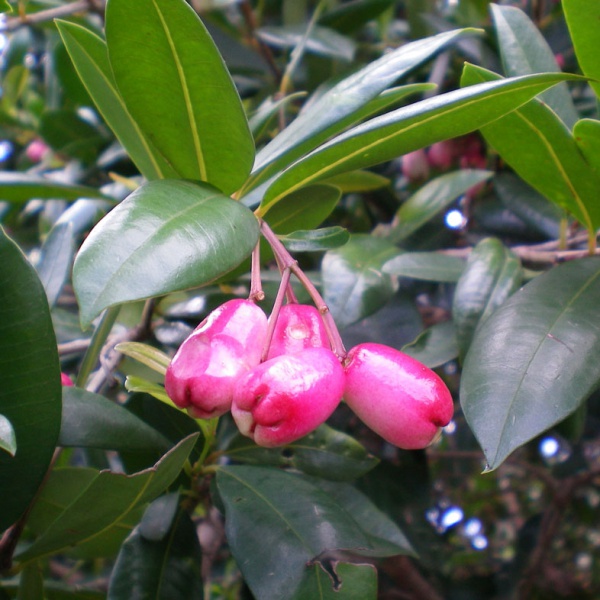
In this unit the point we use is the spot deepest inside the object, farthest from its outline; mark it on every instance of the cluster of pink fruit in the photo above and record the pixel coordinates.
(281, 379)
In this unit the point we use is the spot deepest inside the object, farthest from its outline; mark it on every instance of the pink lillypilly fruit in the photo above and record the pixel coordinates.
(415, 166)
(66, 380)
(298, 326)
(226, 345)
(395, 395)
(287, 397)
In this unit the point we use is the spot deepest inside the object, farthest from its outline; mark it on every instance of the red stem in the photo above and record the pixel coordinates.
(256, 291)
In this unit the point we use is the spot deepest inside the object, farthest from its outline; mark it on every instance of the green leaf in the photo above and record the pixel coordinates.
(316, 240)
(538, 146)
(535, 360)
(5, 6)
(31, 583)
(8, 440)
(354, 284)
(524, 50)
(325, 453)
(176, 87)
(582, 18)
(295, 521)
(426, 266)
(30, 395)
(152, 357)
(137, 384)
(260, 120)
(435, 345)
(90, 58)
(20, 187)
(107, 499)
(338, 581)
(401, 131)
(92, 421)
(491, 275)
(431, 199)
(167, 236)
(587, 136)
(165, 568)
(350, 16)
(358, 181)
(333, 111)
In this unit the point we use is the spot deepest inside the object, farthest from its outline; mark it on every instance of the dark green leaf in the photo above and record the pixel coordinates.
(432, 198)
(158, 517)
(325, 453)
(587, 136)
(106, 500)
(31, 584)
(8, 440)
(20, 187)
(491, 275)
(401, 131)
(316, 240)
(353, 15)
(435, 346)
(358, 181)
(90, 57)
(524, 51)
(335, 580)
(168, 235)
(426, 266)
(538, 146)
(535, 360)
(176, 87)
(354, 283)
(92, 421)
(30, 395)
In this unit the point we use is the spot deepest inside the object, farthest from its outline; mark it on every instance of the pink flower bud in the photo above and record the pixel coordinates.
(441, 154)
(396, 396)
(66, 380)
(36, 150)
(415, 166)
(287, 397)
(298, 326)
(227, 344)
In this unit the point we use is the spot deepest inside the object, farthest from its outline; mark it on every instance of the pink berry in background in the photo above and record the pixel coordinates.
(36, 150)
(227, 344)
(66, 380)
(396, 396)
(441, 154)
(287, 397)
(298, 326)
(415, 166)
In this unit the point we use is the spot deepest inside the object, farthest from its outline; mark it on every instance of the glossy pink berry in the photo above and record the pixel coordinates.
(395, 395)
(299, 326)
(66, 380)
(415, 166)
(287, 397)
(227, 344)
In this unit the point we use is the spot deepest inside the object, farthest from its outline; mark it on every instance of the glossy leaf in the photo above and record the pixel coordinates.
(538, 146)
(137, 384)
(297, 522)
(325, 453)
(358, 181)
(30, 394)
(431, 199)
(338, 581)
(426, 266)
(106, 500)
(332, 112)
(524, 50)
(90, 58)
(350, 16)
(5, 6)
(161, 67)
(21, 187)
(401, 131)
(491, 275)
(587, 136)
(8, 440)
(165, 568)
(261, 119)
(152, 357)
(354, 283)
(535, 360)
(92, 421)
(582, 18)
(434, 346)
(316, 240)
(185, 235)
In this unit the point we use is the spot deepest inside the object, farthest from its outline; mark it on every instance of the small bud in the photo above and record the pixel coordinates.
(415, 166)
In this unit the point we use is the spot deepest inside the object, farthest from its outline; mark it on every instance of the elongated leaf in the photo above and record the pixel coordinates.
(358, 181)
(354, 283)
(106, 500)
(535, 360)
(338, 581)
(176, 87)
(524, 51)
(538, 146)
(92, 421)
(5, 6)
(316, 240)
(261, 119)
(90, 58)
(435, 346)
(8, 440)
(332, 112)
(351, 16)
(406, 129)
(427, 266)
(30, 395)
(165, 568)
(491, 275)
(587, 136)
(325, 453)
(55, 263)
(582, 18)
(168, 235)
(20, 187)
(432, 198)
(152, 357)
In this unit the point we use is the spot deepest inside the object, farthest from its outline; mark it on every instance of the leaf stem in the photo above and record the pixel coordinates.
(256, 291)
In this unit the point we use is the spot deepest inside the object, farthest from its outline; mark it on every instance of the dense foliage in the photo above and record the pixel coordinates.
(425, 173)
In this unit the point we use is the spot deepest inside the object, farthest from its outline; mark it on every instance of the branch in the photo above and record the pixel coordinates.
(51, 13)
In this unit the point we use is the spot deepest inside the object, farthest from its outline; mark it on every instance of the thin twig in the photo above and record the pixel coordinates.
(73, 347)
(43, 16)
